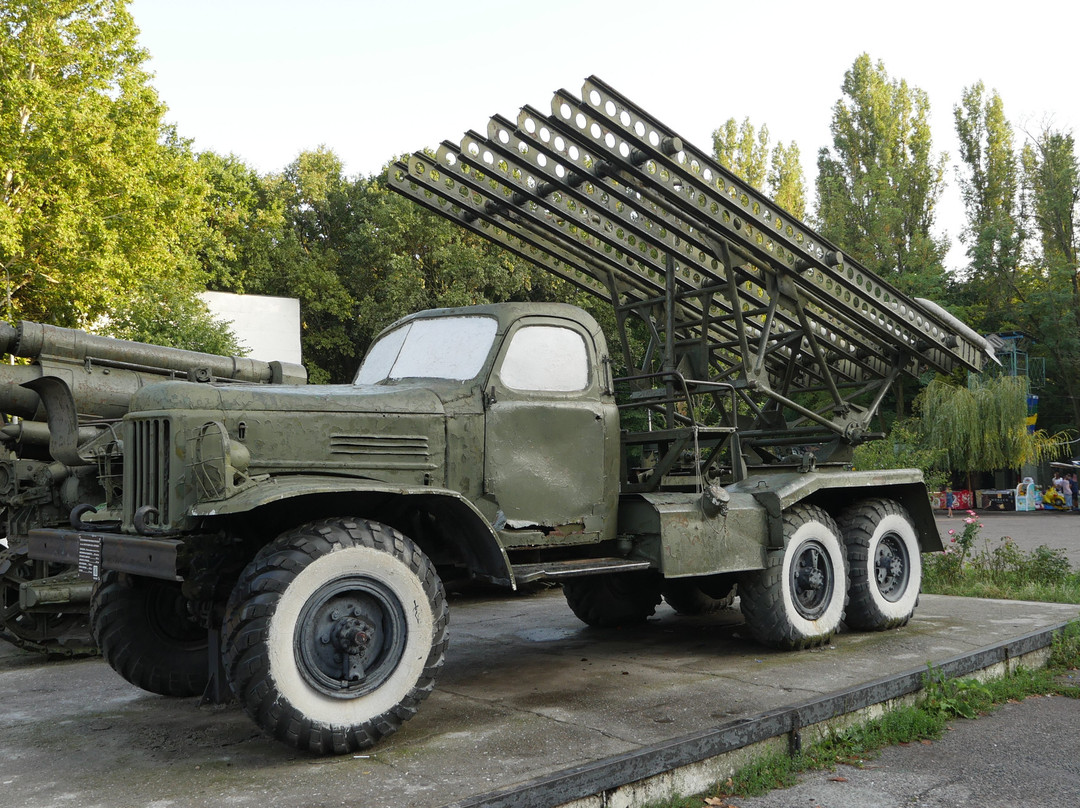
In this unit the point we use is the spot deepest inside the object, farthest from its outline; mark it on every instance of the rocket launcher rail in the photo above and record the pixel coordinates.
(733, 289)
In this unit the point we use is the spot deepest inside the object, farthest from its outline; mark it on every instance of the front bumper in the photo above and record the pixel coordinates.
(94, 553)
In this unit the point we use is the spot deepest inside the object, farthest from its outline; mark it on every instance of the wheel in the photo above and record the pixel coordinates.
(693, 596)
(797, 601)
(885, 564)
(57, 633)
(334, 634)
(618, 599)
(148, 634)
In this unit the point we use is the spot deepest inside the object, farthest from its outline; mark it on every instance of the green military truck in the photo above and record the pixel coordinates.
(291, 541)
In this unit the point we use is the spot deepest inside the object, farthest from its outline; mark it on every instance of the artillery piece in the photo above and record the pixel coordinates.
(62, 460)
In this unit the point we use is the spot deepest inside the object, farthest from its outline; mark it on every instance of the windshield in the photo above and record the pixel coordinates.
(441, 348)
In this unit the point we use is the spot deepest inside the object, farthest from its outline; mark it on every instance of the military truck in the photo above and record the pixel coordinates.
(61, 458)
(291, 541)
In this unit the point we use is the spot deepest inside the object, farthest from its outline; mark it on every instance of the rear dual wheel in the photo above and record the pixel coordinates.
(885, 564)
(798, 600)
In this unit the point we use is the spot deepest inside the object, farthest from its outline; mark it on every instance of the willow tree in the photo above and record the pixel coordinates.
(983, 426)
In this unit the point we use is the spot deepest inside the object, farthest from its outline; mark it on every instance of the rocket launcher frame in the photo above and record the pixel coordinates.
(734, 291)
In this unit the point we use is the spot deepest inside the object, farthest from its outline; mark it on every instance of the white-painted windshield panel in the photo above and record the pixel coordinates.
(546, 358)
(441, 348)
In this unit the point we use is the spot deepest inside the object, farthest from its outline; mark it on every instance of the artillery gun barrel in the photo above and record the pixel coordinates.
(36, 340)
(103, 373)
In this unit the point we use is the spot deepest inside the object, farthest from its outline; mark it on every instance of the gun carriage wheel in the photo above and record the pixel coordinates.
(149, 634)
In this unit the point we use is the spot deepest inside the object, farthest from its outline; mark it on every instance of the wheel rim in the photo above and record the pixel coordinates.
(812, 579)
(891, 567)
(350, 636)
(168, 616)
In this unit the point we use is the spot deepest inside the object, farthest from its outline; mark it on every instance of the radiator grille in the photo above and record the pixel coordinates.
(148, 467)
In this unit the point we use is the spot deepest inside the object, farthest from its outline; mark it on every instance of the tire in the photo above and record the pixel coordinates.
(885, 563)
(617, 599)
(798, 600)
(695, 596)
(148, 635)
(334, 635)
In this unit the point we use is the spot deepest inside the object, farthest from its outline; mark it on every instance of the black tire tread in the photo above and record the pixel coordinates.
(116, 609)
(686, 598)
(608, 601)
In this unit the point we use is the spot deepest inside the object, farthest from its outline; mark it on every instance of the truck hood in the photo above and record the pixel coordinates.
(424, 398)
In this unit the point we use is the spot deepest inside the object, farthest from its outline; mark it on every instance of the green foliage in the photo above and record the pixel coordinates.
(745, 151)
(983, 426)
(174, 317)
(953, 698)
(995, 232)
(878, 188)
(97, 196)
(903, 448)
(999, 569)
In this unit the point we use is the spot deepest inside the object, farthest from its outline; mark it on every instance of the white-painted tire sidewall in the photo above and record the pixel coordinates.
(286, 676)
(831, 617)
(902, 608)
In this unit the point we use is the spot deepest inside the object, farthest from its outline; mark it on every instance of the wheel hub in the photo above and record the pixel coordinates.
(350, 636)
(812, 580)
(891, 568)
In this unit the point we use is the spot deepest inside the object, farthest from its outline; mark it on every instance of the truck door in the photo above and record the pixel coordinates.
(551, 455)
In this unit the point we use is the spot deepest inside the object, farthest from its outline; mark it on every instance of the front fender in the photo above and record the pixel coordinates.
(481, 543)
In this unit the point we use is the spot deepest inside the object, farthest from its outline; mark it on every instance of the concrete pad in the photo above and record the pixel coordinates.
(527, 691)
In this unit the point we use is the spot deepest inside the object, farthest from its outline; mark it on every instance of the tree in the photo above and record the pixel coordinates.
(98, 198)
(1052, 183)
(878, 188)
(995, 233)
(746, 153)
(983, 427)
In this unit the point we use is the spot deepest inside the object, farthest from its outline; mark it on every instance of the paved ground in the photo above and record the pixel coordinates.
(1022, 755)
(527, 690)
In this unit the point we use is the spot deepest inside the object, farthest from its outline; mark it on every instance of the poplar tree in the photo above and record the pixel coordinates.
(879, 185)
(994, 236)
(776, 170)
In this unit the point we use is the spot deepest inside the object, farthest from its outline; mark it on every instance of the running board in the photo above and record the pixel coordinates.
(523, 573)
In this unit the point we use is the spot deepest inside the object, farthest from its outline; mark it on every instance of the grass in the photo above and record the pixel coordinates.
(941, 701)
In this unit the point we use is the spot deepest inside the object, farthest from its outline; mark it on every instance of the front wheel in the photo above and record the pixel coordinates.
(148, 633)
(886, 564)
(798, 600)
(334, 634)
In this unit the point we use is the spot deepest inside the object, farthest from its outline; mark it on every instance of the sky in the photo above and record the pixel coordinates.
(373, 79)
